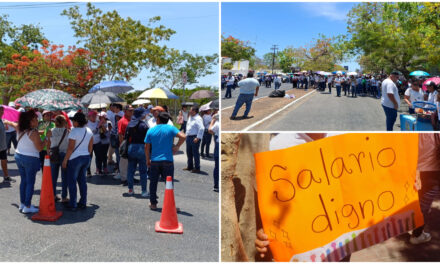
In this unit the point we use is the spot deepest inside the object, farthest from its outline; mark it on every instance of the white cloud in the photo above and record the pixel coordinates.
(333, 11)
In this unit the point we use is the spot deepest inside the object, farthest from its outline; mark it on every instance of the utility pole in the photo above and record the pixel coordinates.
(274, 48)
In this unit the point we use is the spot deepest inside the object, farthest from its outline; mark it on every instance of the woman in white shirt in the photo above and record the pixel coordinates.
(183, 114)
(77, 160)
(94, 125)
(27, 157)
(59, 137)
(413, 94)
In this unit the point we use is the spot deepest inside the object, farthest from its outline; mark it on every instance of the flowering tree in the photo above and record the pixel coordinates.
(51, 66)
(236, 49)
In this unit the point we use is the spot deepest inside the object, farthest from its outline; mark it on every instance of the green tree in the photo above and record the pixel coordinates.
(393, 36)
(15, 40)
(236, 49)
(123, 45)
(177, 62)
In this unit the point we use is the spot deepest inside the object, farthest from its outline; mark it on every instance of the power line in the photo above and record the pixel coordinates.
(274, 48)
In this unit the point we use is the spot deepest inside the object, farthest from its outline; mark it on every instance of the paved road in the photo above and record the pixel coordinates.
(326, 112)
(114, 227)
(261, 93)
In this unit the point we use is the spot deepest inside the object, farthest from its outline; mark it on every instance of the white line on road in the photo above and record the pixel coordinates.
(234, 104)
(276, 112)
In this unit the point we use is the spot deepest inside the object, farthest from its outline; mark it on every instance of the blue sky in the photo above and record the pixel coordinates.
(284, 24)
(196, 25)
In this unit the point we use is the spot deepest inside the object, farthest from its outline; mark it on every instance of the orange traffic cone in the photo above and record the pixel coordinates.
(47, 211)
(168, 220)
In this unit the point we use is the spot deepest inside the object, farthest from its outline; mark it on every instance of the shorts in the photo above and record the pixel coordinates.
(3, 155)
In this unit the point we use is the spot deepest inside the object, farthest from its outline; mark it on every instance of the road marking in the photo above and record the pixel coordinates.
(227, 107)
(276, 112)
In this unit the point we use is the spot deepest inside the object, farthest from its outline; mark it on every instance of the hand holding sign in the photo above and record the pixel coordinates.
(337, 195)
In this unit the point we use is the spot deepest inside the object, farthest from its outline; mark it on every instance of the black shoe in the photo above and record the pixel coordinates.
(124, 183)
(202, 155)
(232, 118)
(9, 179)
(82, 206)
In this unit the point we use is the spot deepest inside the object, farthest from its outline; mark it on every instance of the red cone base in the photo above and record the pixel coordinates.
(50, 218)
(178, 230)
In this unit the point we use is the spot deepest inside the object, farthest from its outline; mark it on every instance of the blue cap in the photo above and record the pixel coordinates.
(139, 112)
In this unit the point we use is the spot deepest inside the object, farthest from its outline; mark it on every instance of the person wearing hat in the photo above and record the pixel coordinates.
(390, 99)
(136, 132)
(45, 126)
(122, 126)
(95, 125)
(77, 160)
(155, 111)
(194, 135)
(104, 135)
(431, 96)
(159, 150)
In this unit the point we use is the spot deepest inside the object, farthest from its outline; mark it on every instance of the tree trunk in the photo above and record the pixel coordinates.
(5, 97)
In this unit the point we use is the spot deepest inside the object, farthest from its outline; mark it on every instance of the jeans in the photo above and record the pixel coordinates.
(183, 127)
(206, 142)
(228, 91)
(136, 155)
(43, 154)
(118, 158)
(216, 161)
(277, 86)
(159, 168)
(76, 172)
(28, 167)
(103, 154)
(391, 116)
(379, 92)
(55, 169)
(11, 137)
(338, 90)
(427, 194)
(192, 152)
(306, 84)
(329, 85)
(353, 91)
(243, 99)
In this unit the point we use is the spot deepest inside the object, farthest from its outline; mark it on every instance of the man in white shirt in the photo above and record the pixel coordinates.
(248, 89)
(229, 85)
(194, 134)
(390, 99)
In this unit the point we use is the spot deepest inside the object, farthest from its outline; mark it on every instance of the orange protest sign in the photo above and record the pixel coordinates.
(323, 200)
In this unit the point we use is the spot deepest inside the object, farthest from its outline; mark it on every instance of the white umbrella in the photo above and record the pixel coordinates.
(141, 101)
(352, 73)
(326, 73)
(205, 106)
(97, 106)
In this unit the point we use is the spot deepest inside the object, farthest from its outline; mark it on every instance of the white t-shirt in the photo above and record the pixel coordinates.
(230, 80)
(94, 128)
(432, 97)
(414, 96)
(207, 120)
(389, 87)
(77, 134)
(215, 129)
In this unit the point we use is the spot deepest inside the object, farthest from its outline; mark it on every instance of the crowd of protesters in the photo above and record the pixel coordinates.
(141, 138)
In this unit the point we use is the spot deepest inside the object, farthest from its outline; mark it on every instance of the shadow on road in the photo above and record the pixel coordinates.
(5, 185)
(427, 251)
(71, 217)
(103, 180)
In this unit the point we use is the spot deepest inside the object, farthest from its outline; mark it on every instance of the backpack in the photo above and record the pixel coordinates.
(277, 93)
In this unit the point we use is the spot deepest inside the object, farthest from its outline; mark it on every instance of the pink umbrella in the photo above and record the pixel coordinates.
(436, 80)
(10, 114)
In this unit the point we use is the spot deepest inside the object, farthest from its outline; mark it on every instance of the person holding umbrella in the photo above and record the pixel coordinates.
(44, 127)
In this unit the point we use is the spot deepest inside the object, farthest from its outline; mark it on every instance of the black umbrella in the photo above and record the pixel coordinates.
(214, 104)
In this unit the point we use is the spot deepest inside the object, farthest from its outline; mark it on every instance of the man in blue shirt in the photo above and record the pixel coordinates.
(159, 150)
(248, 89)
